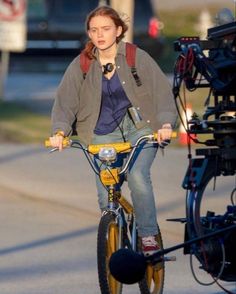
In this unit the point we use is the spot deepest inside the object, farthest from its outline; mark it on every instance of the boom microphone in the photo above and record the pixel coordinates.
(127, 266)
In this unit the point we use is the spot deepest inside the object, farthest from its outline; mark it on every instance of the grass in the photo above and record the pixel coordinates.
(19, 124)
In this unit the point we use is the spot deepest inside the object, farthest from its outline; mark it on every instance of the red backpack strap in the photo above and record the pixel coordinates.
(85, 63)
(130, 54)
(130, 58)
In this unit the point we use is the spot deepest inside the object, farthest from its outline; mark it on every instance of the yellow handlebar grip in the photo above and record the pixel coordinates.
(173, 135)
(65, 142)
(155, 136)
(47, 143)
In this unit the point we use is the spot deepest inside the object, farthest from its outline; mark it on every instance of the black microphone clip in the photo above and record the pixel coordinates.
(108, 68)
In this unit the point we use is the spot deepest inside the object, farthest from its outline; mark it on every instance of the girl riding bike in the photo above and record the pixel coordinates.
(108, 105)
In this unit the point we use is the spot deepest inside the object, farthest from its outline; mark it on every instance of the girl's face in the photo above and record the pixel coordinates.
(103, 32)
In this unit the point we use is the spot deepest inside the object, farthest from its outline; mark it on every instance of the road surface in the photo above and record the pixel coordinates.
(49, 218)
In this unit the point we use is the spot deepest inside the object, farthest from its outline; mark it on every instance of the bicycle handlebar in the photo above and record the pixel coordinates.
(120, 147)
(94, 148)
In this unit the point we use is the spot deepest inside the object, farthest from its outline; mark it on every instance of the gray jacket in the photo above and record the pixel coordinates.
(80, 100)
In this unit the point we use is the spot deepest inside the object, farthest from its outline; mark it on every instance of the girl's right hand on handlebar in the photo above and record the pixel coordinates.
(56, 140)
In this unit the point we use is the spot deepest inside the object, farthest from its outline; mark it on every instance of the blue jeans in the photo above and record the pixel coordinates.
(138, 177)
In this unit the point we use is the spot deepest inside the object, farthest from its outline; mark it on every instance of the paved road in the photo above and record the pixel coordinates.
(36, 90)
(49, 217)
(45, 248)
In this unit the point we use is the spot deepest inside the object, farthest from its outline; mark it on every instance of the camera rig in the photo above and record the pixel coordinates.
(217, 71)
(209, 64)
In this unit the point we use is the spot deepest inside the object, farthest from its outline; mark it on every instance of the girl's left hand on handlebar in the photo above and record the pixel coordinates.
(164, 135)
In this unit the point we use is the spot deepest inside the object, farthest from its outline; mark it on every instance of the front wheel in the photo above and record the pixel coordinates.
(153, 282)
(109, 240)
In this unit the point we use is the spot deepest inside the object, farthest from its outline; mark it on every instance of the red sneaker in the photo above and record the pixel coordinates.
(149, 245)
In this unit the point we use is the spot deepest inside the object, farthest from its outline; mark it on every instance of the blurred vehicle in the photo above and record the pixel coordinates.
(56, 33)
(147, 29)
(59, 24)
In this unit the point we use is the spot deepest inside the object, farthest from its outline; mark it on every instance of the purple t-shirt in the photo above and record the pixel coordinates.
(114, 105)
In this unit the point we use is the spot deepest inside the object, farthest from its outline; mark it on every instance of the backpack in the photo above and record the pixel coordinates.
(85, 62)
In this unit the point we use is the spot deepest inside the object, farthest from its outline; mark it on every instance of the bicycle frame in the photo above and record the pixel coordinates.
(109, 175)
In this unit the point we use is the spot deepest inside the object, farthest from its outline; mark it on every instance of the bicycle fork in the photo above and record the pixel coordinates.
(125, 226)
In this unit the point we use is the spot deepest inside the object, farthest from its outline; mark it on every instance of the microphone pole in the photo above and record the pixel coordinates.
(129, 267)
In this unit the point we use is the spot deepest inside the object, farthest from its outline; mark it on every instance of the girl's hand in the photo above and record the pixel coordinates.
(164, 134)
(57, 140)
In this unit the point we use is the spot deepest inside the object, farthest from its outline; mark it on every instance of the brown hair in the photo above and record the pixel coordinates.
(104, 11)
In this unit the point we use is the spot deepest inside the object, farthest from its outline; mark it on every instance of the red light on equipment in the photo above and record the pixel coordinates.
(154, 27)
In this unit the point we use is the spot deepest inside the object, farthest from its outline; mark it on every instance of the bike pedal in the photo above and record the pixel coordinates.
(170, 258)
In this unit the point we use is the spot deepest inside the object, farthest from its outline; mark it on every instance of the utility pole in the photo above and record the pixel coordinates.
(125, 7)
(4, 64)
(12, 34)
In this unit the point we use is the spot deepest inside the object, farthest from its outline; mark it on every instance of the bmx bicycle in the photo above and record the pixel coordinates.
(117, 227)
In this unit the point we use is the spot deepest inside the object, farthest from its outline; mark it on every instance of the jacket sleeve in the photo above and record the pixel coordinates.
(66, 104)
(160, 90)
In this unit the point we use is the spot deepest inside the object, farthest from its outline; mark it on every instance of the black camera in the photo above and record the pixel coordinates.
(219, 67)
(210, 64)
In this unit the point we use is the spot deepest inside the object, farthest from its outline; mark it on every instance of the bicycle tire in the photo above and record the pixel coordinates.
(107, 243)
(153, 282)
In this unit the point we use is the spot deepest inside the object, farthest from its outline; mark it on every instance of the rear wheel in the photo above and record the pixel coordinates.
(153, 282)
(109, 240)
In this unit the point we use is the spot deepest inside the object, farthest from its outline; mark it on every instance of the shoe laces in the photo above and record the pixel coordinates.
(149, 241)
